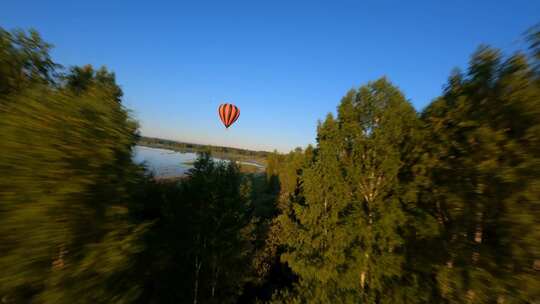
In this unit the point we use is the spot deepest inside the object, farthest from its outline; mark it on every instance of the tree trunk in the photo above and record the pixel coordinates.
(198, 265)
(215, 280)
(59, 263)
(478, 237)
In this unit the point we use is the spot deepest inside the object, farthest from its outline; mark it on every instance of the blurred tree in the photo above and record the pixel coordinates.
(486, 139)
(65, 165)
(533, 38)
(79, 79)
(24, 61)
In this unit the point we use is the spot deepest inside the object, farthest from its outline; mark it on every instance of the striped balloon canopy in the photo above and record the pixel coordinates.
(228, 113)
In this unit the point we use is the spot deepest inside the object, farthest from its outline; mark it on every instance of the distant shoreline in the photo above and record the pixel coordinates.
(242, 156)
(245, 166)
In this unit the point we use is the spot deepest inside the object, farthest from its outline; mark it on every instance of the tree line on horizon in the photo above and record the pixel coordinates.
(225, 152)
(389, 206)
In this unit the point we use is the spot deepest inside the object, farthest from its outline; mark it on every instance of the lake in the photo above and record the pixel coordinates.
(162, 162)
(168, 163)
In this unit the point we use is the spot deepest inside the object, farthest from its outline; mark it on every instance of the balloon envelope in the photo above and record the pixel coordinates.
(228, 113)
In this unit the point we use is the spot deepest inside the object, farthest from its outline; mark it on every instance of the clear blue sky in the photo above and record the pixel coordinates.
(284, 63)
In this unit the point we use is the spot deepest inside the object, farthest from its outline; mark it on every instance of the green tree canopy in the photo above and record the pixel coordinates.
(345, 233)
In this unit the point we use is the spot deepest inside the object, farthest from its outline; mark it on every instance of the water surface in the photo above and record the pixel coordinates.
(168, 163)
(163, 162)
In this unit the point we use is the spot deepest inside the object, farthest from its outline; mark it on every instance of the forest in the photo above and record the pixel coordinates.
(390, 205)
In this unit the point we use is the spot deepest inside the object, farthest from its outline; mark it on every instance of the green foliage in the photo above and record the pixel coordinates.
(81, 78)
(81, 223)
(391, 209)
(344, 232)
(24, 60)
(201, 245)
(220, 204)
(486, 136)
(388, 207)
(65, 164)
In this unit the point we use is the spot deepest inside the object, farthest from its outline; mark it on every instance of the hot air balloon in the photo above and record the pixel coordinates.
(228, 113)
